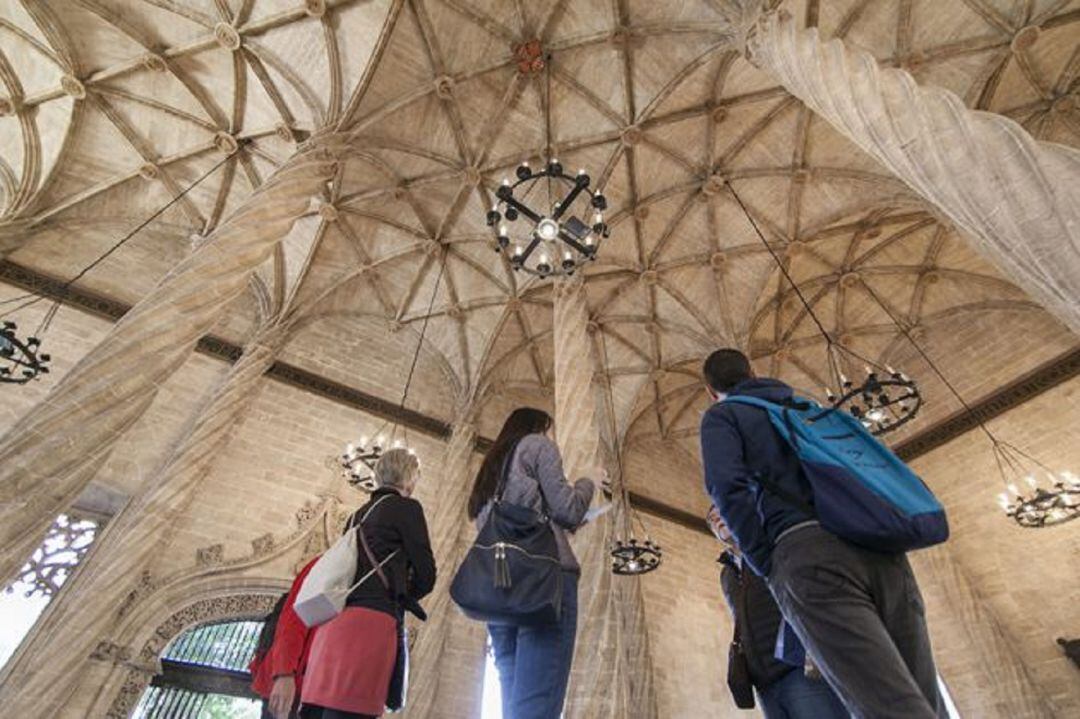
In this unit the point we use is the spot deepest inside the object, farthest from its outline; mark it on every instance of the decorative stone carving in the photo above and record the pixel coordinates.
(850, 280)
(444, 87)
(66, 543)
(718, 114)
(210, 556)
(149, 171)
(7, 107)
(315, 8)
(1024, 39)
(713, 185)
(73, 87)
(237, 606)
(154, 62)
(328, 212)
(227, 36)
(226, 143)
(649, 277)
(263, 545)
(472, 175)
(718, 260)
(631, 136)
(107, 651)
(641, 212)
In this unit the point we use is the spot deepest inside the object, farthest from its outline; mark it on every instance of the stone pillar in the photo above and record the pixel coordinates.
(106, 587)
(606, 668)
(966, 633)
(450, 533)
(101, 397)
(1017, 199)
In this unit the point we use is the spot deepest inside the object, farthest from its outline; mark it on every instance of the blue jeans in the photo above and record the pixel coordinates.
(534, 662)
(796, 697)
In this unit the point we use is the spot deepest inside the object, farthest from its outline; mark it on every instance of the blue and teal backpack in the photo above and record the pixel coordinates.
(862, 491)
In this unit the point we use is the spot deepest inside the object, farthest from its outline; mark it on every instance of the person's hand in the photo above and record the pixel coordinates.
(601, 477)
(811, 670)
(282, 696)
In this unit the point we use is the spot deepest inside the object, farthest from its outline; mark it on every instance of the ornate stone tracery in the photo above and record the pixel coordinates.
(66, 543)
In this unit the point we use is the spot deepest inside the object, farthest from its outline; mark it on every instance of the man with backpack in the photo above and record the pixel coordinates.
(785, 492)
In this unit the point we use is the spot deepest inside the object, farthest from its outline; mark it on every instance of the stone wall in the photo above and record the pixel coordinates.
(1025, 579)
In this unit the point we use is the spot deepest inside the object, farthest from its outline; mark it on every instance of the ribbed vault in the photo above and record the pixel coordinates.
(111, 106)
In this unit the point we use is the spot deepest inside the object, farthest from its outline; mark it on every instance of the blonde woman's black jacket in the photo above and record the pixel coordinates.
(397, 523)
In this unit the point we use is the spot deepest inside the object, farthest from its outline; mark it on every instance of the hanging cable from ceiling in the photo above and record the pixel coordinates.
(885, 399)
(629, 555)
(21, 360)
(359, 459)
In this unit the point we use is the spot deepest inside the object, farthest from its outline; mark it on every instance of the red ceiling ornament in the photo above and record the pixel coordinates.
(530, 57)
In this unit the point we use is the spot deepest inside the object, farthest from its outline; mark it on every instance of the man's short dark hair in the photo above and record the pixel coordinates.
(726, 368)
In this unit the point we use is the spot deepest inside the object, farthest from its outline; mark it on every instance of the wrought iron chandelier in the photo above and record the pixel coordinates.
(630, 555)
(548, 236)
(555, 241)
(20, 360)
(359, 459)
(1043, 499)
(882, 398)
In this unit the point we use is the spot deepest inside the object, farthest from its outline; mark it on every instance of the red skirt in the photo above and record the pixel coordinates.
(351, 661)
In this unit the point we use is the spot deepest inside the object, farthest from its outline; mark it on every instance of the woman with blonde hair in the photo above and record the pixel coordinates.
(353, 656)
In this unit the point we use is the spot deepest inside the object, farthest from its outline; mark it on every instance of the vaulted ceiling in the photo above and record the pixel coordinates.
(110, 107)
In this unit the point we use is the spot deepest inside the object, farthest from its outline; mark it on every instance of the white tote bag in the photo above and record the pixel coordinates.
(323, 593)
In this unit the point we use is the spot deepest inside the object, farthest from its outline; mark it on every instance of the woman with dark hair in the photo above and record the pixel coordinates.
(534, 661)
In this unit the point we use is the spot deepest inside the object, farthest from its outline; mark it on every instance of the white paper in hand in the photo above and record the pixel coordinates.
(597, 512)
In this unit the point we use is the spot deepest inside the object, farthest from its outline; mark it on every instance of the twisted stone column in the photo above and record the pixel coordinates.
(448, 527)
(1018, 199)
(110, 388)
(102, 592)
(604, 671)
(963, 626)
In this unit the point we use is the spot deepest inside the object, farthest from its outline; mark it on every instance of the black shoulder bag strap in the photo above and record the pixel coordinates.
(739, 682)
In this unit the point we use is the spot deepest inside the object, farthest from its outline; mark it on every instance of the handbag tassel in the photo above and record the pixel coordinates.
(502, 568)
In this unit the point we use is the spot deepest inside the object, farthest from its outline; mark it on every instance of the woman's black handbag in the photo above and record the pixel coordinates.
(511, 575)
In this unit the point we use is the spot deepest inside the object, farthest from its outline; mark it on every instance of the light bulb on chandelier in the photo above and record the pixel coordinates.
(539, 238)
(1045, 500)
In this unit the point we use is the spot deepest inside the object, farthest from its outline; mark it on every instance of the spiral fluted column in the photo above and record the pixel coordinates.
(449, 530)
(101, 593)
(606, 669)
(1016, 198)
(102, 396)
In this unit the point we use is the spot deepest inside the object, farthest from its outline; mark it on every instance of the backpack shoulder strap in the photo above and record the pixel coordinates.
(792, 439)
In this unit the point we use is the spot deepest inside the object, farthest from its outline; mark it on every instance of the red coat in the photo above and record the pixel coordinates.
(288, 653)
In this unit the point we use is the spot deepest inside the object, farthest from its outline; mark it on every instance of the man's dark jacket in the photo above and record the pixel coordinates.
(738, 446)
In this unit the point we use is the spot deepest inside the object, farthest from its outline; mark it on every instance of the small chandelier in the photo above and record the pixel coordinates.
(555, 242)
(1044, 499)
(883, 399)
(358, 463)
(20, 360)
(631, 557)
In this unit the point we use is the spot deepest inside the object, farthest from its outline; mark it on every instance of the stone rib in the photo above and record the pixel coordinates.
(101, 397)
(1016, 198)
(104, 589)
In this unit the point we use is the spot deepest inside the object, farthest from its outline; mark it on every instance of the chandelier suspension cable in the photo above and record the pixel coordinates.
(780, 264)
(930, 363)
(420, 343)
(629, 557)
(21, 359)
(885, 399)
(66, 286)
(358, 460)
